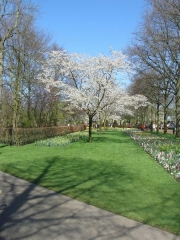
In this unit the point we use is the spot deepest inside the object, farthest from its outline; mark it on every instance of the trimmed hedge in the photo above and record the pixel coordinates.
(22, 136)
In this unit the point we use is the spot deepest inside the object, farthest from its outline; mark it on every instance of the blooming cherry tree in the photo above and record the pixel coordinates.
(89, 83)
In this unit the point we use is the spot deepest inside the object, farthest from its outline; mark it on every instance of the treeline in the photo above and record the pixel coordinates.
(24, 102)
(155, 52)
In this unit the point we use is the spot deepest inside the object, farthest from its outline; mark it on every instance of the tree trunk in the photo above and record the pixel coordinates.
(100, 123)
(17, 97)
(16, 107)
(152, 120)
(157, 129)
(177, 97)
(29, 105)
(1, 76)
(165, 114)
(90, 128)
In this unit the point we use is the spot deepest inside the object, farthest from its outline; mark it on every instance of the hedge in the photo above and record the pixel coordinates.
(22, 136)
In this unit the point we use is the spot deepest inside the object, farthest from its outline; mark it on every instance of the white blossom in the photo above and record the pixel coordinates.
(89, 83)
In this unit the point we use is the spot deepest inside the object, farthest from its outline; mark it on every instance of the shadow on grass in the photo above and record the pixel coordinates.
(3, 145)
(39, 213)
(73, 176)
(33, 211)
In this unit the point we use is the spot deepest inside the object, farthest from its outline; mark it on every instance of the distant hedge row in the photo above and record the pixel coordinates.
(22, 136)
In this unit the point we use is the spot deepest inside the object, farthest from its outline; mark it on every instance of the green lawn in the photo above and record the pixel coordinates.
(112, 173)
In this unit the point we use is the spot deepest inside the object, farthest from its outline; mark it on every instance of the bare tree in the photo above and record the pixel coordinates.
(9, 19)
(23, 56)
(157, 45)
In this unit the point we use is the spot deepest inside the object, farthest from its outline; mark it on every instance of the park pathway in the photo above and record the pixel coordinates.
(36, 213)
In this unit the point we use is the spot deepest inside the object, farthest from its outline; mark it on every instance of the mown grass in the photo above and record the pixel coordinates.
(112, 173)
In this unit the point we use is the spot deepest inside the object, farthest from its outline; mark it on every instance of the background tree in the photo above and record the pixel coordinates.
(20, 68)
(9, 20)
(23, 57)
(156, 47)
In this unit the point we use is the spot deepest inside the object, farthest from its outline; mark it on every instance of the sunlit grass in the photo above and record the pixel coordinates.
(112, 173)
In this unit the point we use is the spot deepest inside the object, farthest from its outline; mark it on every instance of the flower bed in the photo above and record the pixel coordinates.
(62, 140)
(165, 151)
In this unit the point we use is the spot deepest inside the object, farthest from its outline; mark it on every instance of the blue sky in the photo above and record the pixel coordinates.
(90, 26)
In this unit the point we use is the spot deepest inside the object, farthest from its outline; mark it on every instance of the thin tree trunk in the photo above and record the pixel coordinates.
(90, 128)
(177, 97)
(100, 123)
(157, 129)
(17, 96)
(165, 114)
(16, 106)
(1, 76)
(152, 119)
